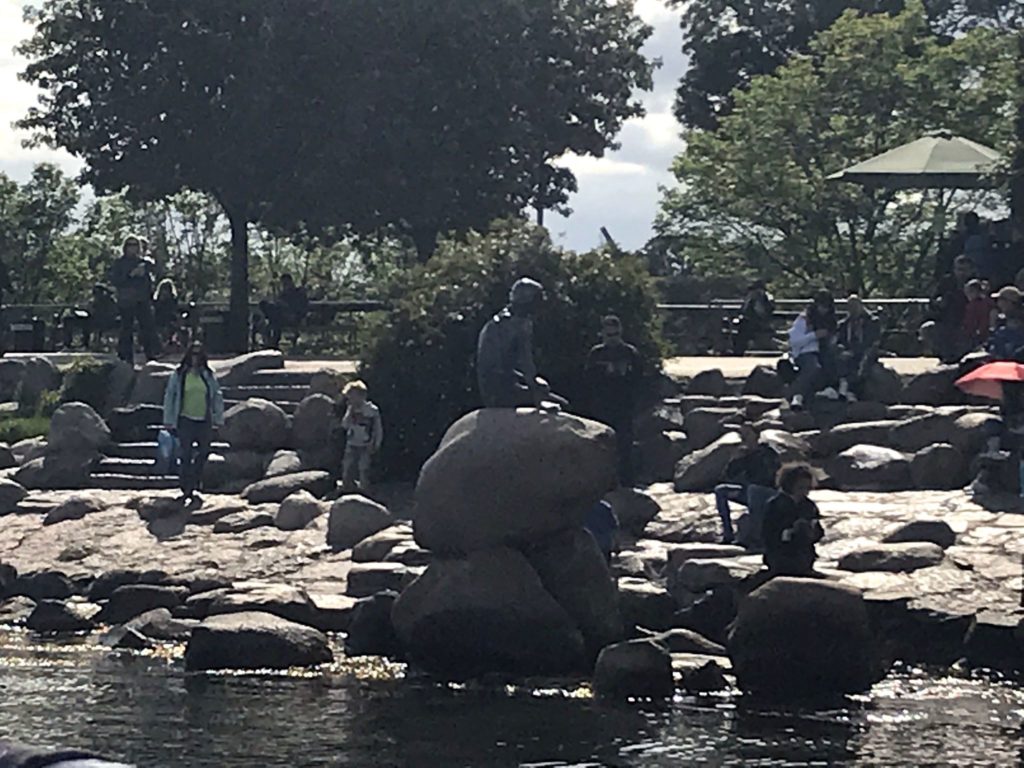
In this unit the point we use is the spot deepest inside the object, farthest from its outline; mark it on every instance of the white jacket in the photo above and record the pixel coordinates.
(802, 339)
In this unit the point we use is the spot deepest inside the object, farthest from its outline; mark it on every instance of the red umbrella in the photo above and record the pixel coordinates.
(987, 381)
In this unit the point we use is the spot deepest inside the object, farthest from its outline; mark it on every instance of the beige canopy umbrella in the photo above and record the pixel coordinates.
(940, 160)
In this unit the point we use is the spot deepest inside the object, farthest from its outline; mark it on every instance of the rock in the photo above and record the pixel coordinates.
(637, 669)
(711, 382)
(56, 616)
(29, 449)
(574, 572)
(703, 469)
(255, 425)
(369, 579)
(939, 467)
(518, 628)
(909, 556)
(687, 641)
(696, 576)
(660, 453)
(915, 434)
(864, 410)
(253, 640)
(845, 436)
(283, 463)
(212, 512)
(790, 447)
(327, 382)
(333, 612)
(883, 385)
(151, 383)
(238, 371)
(870, 468)
(159, 625)
(8, 575)
(277, 489)
(995, 642)
(247, 465)
(934, 531)
(645, 605)
(410, 554)
(634, 509)
(683, 552)
(131, 424)
(314, 423)
(153, 508)
(16, 610)
(77, 427)
(104, 585)
(42, 585)
(354, 518)
(24, 379)
(570, 462)
(371, 632)
(73, 508)
(239, 522)
(298, 511)
(7, 459)
(764, 382)
(125, 638)
(705, 425)
(281, 600)
(56, 471)
(11, 494)
(792, 421)
(971, 431)
(375, 548)
(935, 387)
(700, 674)
(804, 637)
(133, 600)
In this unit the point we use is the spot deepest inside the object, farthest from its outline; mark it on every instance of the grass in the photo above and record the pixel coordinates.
(19, 428)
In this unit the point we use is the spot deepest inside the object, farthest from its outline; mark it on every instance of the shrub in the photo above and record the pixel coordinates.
(19, 428)
(420, 364)
(87, 380)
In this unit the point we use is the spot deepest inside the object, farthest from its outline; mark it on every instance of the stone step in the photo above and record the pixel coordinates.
(281, 378)
(288, 393)
(147, 450)
(143, 467)
(288, 407)
(115, 482)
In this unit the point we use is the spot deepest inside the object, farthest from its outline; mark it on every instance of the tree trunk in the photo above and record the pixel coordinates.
(1017, 175)
(238, 311)
(425, 240)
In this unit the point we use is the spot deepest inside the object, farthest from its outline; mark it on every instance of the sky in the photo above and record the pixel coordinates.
(618, 191)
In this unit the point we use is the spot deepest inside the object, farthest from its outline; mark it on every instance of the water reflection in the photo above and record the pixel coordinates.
(144, 709)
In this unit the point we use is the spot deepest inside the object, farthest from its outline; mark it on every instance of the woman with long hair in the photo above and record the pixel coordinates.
(193, 406)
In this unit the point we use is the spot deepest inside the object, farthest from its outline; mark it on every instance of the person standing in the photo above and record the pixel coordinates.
(193, 407)
(755, 317)
(132, 278)
(364, 435)
(166, 314)
(287, 311)
(613, 372)
(792, 524)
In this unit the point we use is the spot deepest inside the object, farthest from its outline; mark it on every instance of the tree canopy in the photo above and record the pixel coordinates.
(730, 42)
(334, 116)
(753, 196)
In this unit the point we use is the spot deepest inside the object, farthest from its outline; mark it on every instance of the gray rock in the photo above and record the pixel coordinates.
(570, 462)
(845, 436)
(133, 600)
(298, 511)
(871, 468)
(151, 383)
(29, 449)
(645, 605)
(765, 382)
(369, 579)
(74, 508)
(284, 463)
(42, 585)
(57, 471)
(703, 469)
(519, 629)
(939, 467)
(327, 382)
(790, 447)
(634, 669)
(16, 610)
(687, 641)
(915, 434)
(240, 522)
(934, 531)
(55, 616)
(883, 385)
(314, 423)
(77, 427)
(680, 553)
(710, 382)
(371, 631)
(410, 554)
(354, 518)
(253, 640)
(700, 674)
(104, 585)
(634, 509)
(909, 556)
(972, 430)
(696, 576)
(333, 611)
(11, 494)
(238, 371)
(7, 459)
(705, 425)
(153, 508)
(8, 575)
(935, 387)
(375, 548)
(255, 425)
(125, 638)
(247, 465)
(212, 512)
(159, 625)
(277, 489)
(24, 379)
(288, 602)
(660, 452)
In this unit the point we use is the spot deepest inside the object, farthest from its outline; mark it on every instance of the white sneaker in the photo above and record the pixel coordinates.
(978, 489)
(829, 393)
(797, 403)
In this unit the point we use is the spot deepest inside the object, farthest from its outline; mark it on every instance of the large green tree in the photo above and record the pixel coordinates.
(327, 116)
(730, 42)
(753, 196)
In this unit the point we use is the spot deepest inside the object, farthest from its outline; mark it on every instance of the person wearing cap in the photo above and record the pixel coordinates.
(858, 338)
(1008, 337)
(755, 317)
(613, 374)
(506, 372)
(132, 278)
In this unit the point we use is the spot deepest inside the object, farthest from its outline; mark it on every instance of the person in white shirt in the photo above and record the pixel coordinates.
(805, 345)
(364, 434)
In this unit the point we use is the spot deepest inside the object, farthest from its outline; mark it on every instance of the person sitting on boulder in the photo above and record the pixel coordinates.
(1008, 338)
(506, 373)
(809, 339)
(980, 314)
(364, 435)
(750, 481)
(792, 524)
(943, 332)
(858, 338)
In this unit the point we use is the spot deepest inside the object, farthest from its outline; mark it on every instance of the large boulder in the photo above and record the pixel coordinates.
(65, 470)
(574, 572)
(133, 600)
(711, 382)
(74, 508)
(486, 613)
(633, 670)
(24, 379)
(288, 602)
(871, 468)
(11, 494)
(790, 447)
(105, 385)
(238, 371)
(804, 637)
(354, 518)
(659, 454)
(76, 427)
(939, 467)
(935, 531)
(900, 557)
(249, 465)
(55, 616)
(764, 381)
(277, 489)
(883, 385)
(645, 605)
(371, 631)
(915, 434)
(42, 585)
(934, 387)
(634, 509)
(705, 425)
(151, 383)
(256, 425)
(843, 437)
(703, 469)
(285, 462)
(314, 423)
(255, 640)
(298, 511)
(971, 431)
(503, 476)
(373, 549)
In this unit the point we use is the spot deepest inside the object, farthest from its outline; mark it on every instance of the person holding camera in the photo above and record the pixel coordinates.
(792, 524)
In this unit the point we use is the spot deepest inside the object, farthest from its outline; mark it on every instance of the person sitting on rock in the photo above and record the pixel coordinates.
(943, 332)
(613, 373)
(506, 372)
(858, 338)
(755, 317)
(809, 340)
(750, 481)
(980, 315)
(1008, 337)
(364, 435)
(792, 524)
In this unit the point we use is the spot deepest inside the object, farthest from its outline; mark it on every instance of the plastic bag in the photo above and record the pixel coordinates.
(166, 453)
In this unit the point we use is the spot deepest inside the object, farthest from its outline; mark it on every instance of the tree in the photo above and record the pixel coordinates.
(330, 116)
(1017, 175)
(753, 196)
(730, 42)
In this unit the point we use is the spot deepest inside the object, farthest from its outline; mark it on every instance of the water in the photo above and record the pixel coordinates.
(146, 710)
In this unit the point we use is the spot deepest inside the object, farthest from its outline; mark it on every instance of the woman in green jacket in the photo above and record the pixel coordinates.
(193, 406)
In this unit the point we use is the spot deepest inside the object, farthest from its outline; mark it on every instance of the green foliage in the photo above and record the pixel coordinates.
(13, 430)
(87, 380)
(753, 196)
(420, 366)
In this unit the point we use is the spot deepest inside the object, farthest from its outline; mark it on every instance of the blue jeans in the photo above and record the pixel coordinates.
(809, 375)
(194, 439)
(753, 497)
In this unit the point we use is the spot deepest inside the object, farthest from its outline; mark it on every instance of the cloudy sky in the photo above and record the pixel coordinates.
(619, 191)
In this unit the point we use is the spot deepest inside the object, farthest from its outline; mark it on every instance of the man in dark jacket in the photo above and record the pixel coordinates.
(613, 373)
(755, 317)
(750, 481)
(132, 278)
(858, 338)
(792, 524)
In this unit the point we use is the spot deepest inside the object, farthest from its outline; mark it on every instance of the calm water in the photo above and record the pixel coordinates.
(145, 710)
